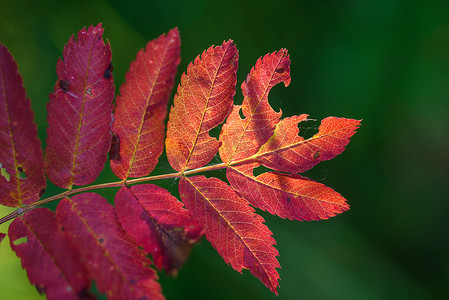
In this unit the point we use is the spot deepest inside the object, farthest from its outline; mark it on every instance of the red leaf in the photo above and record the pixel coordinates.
(2, 236)
(203, 101)
(22, 176)
(232, 227)
(241, 138)
(112, 259)
(288, 196)
(142, 107)
(286, 151)
(159, 223)
(51, 264)
(79, 112)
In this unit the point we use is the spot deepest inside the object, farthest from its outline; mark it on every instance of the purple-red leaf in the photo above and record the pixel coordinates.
(51, 264)
(241, 138)
(119, 268)
(142, 107)
(286, 151)
(2, 236)
(286, 195)
(203, 100)
(22, 178)
(232, 227)
(80, 111)
(159, 224)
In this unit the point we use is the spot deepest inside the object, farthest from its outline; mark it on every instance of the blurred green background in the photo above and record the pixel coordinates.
(383, 61)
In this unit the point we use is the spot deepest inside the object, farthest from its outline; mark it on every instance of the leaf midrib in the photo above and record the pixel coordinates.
(232, 227)
(105, 251)
(142, 121)
(11, 135)
(253, 112)
(75, 154)
(205, 110)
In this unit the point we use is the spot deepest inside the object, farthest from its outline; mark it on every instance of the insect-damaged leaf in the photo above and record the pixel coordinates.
(232, 227)
(242, 138)
(203, 100)
(142, 107)
(20, 148)
(286, 195)
(286, 151)
(80, 111)
(159, 224)
(51, 264)
(119, 268)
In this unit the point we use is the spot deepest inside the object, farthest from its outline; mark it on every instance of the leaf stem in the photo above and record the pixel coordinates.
(122, 183)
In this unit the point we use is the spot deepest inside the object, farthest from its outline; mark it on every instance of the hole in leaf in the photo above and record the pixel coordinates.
(4, 173)
(22, 175)
(242, 116)
(101, 240)
(308, 128)
(19, 241)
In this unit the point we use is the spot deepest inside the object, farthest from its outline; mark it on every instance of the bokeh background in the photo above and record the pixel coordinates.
(383, 61)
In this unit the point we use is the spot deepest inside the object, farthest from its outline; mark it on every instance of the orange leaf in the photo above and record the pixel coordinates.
(287, 152)
(289, 196)
(203, 100)
(232, 227)
(242, 138)
(139, 126)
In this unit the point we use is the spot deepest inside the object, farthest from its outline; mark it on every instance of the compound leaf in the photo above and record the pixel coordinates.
(119, 268)
(51, 263)
(203, 101)
(159, 224)
(139, 128)
(22, 178)
(80, 111)
(239, 235)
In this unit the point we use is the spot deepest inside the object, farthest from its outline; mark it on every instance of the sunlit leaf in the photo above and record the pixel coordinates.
(242, 138)
(232, 227)
(203, 100)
